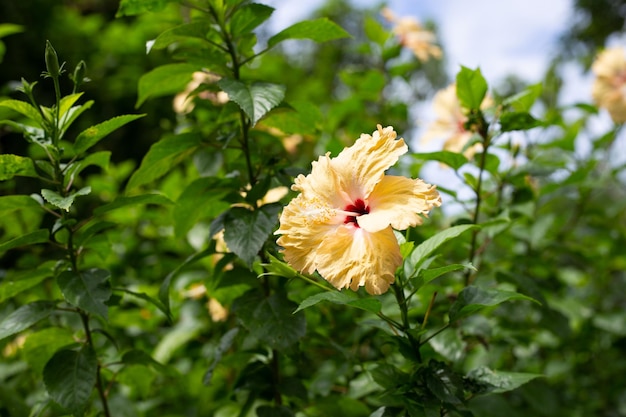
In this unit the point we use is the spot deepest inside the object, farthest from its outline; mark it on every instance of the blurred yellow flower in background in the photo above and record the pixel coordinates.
(609, 88)
(341, 224)
(450, 123)
(183, 101)
(411, 34)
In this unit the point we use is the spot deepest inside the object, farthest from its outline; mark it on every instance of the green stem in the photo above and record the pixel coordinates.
(404, 313)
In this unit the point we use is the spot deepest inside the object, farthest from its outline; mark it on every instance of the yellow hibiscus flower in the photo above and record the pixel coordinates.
(609, 87)
(411, 34)
(341, 224)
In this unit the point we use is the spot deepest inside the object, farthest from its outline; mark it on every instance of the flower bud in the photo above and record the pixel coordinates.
(79, 74)
(52, 61)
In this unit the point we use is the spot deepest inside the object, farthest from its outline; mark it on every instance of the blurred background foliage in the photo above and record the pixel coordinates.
(565, 249)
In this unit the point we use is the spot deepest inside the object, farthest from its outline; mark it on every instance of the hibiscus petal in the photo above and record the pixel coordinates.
(361, 166)
(399, 202)
(352, 257)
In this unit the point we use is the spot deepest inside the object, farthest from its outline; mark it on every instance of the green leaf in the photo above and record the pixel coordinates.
(139, 357)
(41, 346)
(164, 80)
(158, 304)
(64, 203)
(271, 320)
(351, 299)
(510, 121)
(69, 377)
(256, 99)
(248, 17)
(163, 156)
(374, 31)
(134, 7)
(13, 165)
(278, 268)
(73, 114)
(427, 275)
(7, 29)
(92, 135)
(121, 202)
(193, 30)
(471, 88)
(25, 109)
(245, 231)
(201, 199)
(523, 101)
(499, 381)
(66, 104)
(88, 290)
(473, 299)
(226, 342)
(24, 317)
(274, 411)
(16, 282)
(318, 30)
(100, 159)
(453, 159)
(38, 236)
(423, 251)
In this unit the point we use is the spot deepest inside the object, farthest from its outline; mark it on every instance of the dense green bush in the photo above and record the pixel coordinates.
(143, 195)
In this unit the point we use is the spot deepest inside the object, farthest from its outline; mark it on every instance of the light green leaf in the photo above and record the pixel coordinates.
(73, 114)
(134, 7)
(453, 159)
(271, 320)
(427, 275)
(158, 304)
(471, 88)
(121, 202)
(88, 290)
(25, 109)
(318, 30)
(164, 80)
(351, 299)
(69, 377)
(66, 104)
(279, 268)
(100, 159)
(499, 381)
(92, 135)
(38, 236)
(245, 231)
(41, 346)
(64, 203)
(7, 29)
(193, 30)
(374, 31)
(426, 248)
(24, 317)
(473, 299)
(523, 101)
(18, 281)
(163, 156)
(256, 99)
(14, 165)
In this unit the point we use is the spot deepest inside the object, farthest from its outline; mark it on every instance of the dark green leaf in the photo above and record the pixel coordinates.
(158, 304)
(510, 121)
(318, 30)
(245, 231)
(92, 135)
(256, 99)
(225, 343)
(121, 202)
(498, 381)
(453, 159)
(88, 290)
(139, 357)
(248, 17)
(61, 202)
(427, 275)
(471, 88)
(351, 299)
(421, 252)
(472, 299)
(70, 376)
(100, 159)
(24, 317)
(134, 7)
(164, 80)
(202, 199)
(41, 346)
(274, 411)
(38, 236)
(270, 319)
(163, 156)
(12, 165)
(193, 30)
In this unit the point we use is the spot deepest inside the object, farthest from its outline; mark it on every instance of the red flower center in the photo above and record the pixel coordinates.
(359, 208)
